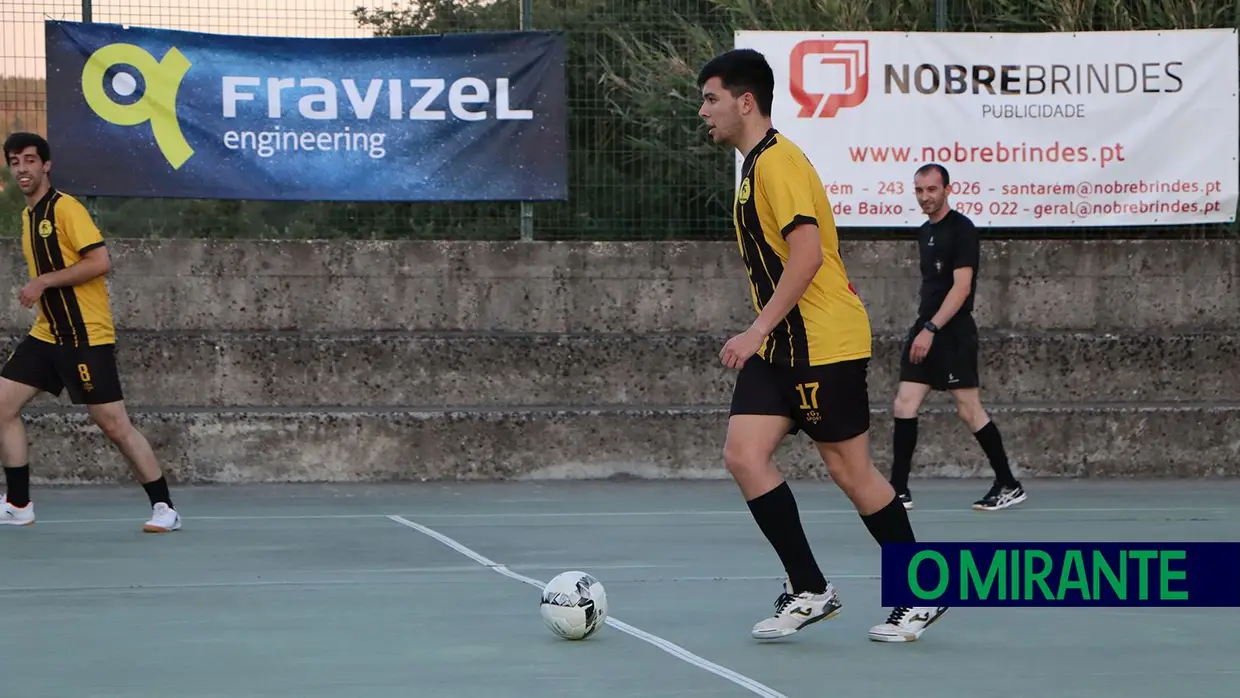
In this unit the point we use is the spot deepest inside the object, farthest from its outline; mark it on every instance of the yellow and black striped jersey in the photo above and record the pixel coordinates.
(780, 190)
(56, 232)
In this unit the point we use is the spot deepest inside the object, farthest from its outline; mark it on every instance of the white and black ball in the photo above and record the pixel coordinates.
(574, 605)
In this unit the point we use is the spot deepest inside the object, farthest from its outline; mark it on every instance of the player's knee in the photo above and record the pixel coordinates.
(850, 476)
(971, 412)
(741, 461)
(844, 474)
(905, 406)
(10, 411)
(114, 425)
(848, 462)
(13, 397)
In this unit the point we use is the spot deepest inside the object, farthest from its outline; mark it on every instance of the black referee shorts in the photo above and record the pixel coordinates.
(951, 363)
(830, 403)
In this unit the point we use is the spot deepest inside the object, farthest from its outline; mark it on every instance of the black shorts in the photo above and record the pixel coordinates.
(951, 363)
(89, 373)
(830, 403)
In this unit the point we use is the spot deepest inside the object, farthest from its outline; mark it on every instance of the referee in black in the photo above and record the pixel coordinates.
(942, 347)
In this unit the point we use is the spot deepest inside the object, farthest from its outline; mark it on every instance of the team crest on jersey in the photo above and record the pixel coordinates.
(746, 189)
(45, 229)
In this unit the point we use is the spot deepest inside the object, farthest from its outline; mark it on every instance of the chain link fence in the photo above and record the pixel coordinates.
(639, 166)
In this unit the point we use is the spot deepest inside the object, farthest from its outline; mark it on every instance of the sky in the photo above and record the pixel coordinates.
(21, 21)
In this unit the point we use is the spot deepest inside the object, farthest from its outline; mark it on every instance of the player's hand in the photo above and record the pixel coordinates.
(738, 349)
(29, 295)
(921, 346)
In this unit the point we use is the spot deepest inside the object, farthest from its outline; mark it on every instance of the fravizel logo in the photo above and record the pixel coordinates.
(853, 55)
(160, 81)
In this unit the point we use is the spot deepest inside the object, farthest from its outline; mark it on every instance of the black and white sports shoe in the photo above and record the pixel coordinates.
(1001, 497)
(795, 611)
(906, 624)
(905, 498)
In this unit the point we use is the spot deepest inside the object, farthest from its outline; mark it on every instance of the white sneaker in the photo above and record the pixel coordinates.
(795, 611)
(906, 624)
(15, 516)
(163, 520)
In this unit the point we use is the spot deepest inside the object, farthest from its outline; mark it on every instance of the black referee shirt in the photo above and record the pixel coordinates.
(945, 246)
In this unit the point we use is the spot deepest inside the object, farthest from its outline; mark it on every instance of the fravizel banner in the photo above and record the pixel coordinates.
(159, 113)
(1036, 130)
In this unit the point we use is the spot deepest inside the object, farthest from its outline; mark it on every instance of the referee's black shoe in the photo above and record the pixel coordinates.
(905, 498)
(1000, 497)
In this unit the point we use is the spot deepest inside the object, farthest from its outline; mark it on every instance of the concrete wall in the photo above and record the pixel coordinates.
(639, 287)
(247, 361)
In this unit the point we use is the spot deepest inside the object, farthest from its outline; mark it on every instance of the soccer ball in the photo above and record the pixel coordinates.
(574, 605)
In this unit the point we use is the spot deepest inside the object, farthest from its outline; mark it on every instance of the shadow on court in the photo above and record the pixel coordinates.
(295, 591)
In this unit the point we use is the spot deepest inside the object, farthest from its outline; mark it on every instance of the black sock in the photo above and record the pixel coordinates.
(990, 441)
(157, 491)
(890, 524)
(777, 515)
(903, 443)
(17, 483)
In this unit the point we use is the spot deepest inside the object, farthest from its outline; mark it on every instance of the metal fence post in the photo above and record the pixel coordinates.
(527, 209)
(940, 15)
(92, 203)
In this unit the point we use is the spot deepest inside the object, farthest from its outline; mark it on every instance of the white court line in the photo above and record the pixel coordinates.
(734, 578)
(240, 517)
(124, 588)
(625, 514)
(178, 586)
(834, 512)
(1165, 672)
(672, 649)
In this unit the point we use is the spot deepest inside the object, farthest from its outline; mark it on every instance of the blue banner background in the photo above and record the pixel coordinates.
(423, 160)
(1212, 574)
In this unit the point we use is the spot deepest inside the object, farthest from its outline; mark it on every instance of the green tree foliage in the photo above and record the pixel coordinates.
(11, 201)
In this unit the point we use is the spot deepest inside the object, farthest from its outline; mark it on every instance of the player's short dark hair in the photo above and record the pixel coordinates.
(743, 70)
(935, 167)
(17, 142)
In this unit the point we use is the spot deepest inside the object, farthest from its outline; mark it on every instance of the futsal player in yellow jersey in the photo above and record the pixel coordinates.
(71, 346)
(803, 363)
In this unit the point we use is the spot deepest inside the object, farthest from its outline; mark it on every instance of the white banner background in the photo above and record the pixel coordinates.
(1122, 142)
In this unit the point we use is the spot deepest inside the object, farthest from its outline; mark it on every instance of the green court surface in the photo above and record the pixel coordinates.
(412, 591)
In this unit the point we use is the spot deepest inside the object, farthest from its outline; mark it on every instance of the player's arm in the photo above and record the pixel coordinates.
(94, 263)
(804, 260)
(964, 263)
(789, 194)
(76, 223)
